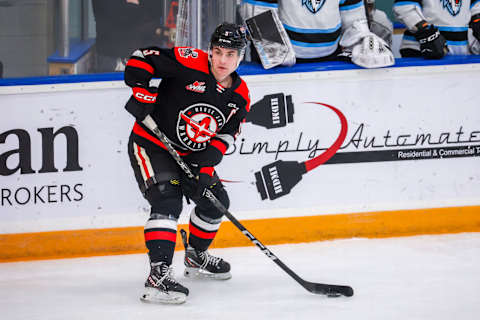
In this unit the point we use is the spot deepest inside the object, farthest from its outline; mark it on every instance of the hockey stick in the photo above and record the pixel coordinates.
(319, 288)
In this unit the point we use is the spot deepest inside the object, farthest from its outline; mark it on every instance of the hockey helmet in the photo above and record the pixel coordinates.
(229, 35)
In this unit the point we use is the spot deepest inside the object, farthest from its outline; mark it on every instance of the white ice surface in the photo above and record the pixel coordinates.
(425, 277)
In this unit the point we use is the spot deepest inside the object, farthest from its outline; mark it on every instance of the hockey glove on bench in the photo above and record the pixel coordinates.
(432, 43)
(475, 25)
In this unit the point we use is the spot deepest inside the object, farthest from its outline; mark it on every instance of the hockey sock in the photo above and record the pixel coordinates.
(160, 239)
(202, 230)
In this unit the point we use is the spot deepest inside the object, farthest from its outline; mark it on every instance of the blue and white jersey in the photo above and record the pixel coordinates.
(314, 26)
(451, 17)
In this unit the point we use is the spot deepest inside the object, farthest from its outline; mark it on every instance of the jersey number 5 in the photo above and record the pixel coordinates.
(150, 52)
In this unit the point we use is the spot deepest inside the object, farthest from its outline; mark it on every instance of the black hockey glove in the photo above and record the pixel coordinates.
(432, 43)
(195, 188)
(475, 25)
(137, 109)
(142, 102)
(205, 180)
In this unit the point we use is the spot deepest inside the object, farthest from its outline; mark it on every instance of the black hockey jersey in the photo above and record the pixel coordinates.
(193, 110)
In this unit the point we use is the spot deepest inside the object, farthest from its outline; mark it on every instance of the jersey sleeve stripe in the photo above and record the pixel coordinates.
(351, 4)
(226, 138)
(407, 3)
(207, 170)
(140, 64)
(139, 131)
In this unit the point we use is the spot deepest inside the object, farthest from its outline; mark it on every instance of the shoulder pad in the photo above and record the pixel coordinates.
(192, 58)
(243, 91)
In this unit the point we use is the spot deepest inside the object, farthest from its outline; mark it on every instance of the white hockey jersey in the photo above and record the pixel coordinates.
(314, 26)
(451, 17)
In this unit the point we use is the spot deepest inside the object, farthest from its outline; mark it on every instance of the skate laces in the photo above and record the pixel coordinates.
(208, 259)
(165, 272)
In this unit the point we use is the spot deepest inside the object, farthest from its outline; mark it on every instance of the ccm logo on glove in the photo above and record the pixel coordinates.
(143, 95)
(430, 38)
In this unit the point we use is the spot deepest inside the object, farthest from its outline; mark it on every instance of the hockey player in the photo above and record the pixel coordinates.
(322, 30)
(438, 27)
(199, 105)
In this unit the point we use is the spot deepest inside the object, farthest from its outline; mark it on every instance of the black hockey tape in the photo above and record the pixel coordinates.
(278, 178)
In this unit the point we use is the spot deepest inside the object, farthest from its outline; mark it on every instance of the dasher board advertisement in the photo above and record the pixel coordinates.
(312, 144)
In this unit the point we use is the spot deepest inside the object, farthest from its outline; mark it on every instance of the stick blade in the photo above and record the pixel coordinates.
(330, 290)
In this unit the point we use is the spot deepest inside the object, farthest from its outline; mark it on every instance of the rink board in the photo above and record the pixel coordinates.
(409, 163)
(126, 240)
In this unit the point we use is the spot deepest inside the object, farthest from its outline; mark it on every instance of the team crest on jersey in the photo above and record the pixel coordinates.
(187, 53)
(313, 5)
(197, 124)
(197, 86)
(453, 6)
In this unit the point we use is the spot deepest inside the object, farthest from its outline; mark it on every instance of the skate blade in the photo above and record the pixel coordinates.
(152, 295)
(203, 274)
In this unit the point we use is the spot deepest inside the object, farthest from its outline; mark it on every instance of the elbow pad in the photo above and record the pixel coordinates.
(138, 70)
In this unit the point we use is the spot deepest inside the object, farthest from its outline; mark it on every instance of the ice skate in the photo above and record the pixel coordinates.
(161, 287)
(201, 264)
